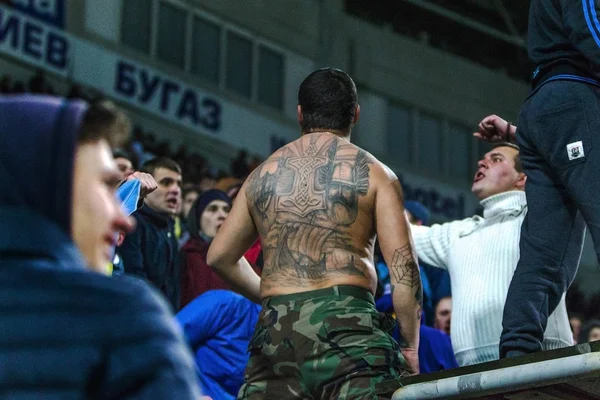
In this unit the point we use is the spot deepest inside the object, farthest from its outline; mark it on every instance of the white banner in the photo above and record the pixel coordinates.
(32, 41)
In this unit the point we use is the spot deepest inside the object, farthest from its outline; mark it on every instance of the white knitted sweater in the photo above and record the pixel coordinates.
(481, 255)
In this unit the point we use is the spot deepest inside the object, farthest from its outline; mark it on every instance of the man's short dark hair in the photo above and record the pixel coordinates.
(103, 120)
(437, 303)
(120, 153)
(152, 165)
(518, 164)
(328, 99)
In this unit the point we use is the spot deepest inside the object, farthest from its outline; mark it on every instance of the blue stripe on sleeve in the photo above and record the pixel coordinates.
(591, 23)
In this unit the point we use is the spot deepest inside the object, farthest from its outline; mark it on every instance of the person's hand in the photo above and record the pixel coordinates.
(495, 129)
(148, 184)
(412, 359)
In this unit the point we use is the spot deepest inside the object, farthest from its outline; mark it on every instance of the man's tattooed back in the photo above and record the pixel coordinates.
(312, 207)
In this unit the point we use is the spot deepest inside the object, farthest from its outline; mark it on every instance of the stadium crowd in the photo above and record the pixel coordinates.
(179, 203)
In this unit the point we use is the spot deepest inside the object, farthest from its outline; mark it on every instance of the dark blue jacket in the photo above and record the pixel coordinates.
(152, 252)
(435, 347)
(67, 332)
(218, 326)
(564, 40)
(435, 350)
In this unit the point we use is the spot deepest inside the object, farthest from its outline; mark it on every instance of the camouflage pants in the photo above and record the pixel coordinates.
(323, 344)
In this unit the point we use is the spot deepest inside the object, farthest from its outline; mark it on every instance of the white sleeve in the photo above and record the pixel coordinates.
(432, 244)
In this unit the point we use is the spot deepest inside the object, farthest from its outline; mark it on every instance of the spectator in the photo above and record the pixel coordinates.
(151, 252)
(435, 348)
(124, 163)
(558, 125)
(132, 189)
(575, 321)
(481, 254)
(189, 195)
(443, 315)
(590, 331)
(134, 185)
(69, 331)
(204, 220)
(218, 326)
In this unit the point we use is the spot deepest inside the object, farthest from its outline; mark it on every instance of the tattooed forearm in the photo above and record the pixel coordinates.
(405, 271)
(403, 268)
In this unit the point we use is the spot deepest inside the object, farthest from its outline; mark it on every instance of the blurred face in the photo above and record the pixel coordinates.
(188, 202)
(443, 315)
(125, 167)
(496, 173)
(213, 217)
(166, 198)
(97, 214)
(594, 335)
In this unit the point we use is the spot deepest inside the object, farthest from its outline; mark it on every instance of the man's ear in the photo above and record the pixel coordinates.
(300, 116)
(356, 115)
(520, 184)
(121, 238)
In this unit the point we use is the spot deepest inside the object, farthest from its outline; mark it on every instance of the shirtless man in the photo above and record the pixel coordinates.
(318, 204)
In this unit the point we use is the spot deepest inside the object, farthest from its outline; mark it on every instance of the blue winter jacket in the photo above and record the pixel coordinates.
(218, 326)
(435, 347)
(67, 332)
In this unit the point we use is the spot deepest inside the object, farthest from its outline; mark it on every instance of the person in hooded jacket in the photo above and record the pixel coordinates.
(67, 329)
(204, 219)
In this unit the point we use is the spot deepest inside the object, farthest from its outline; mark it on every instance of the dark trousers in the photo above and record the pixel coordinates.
(558, 133)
